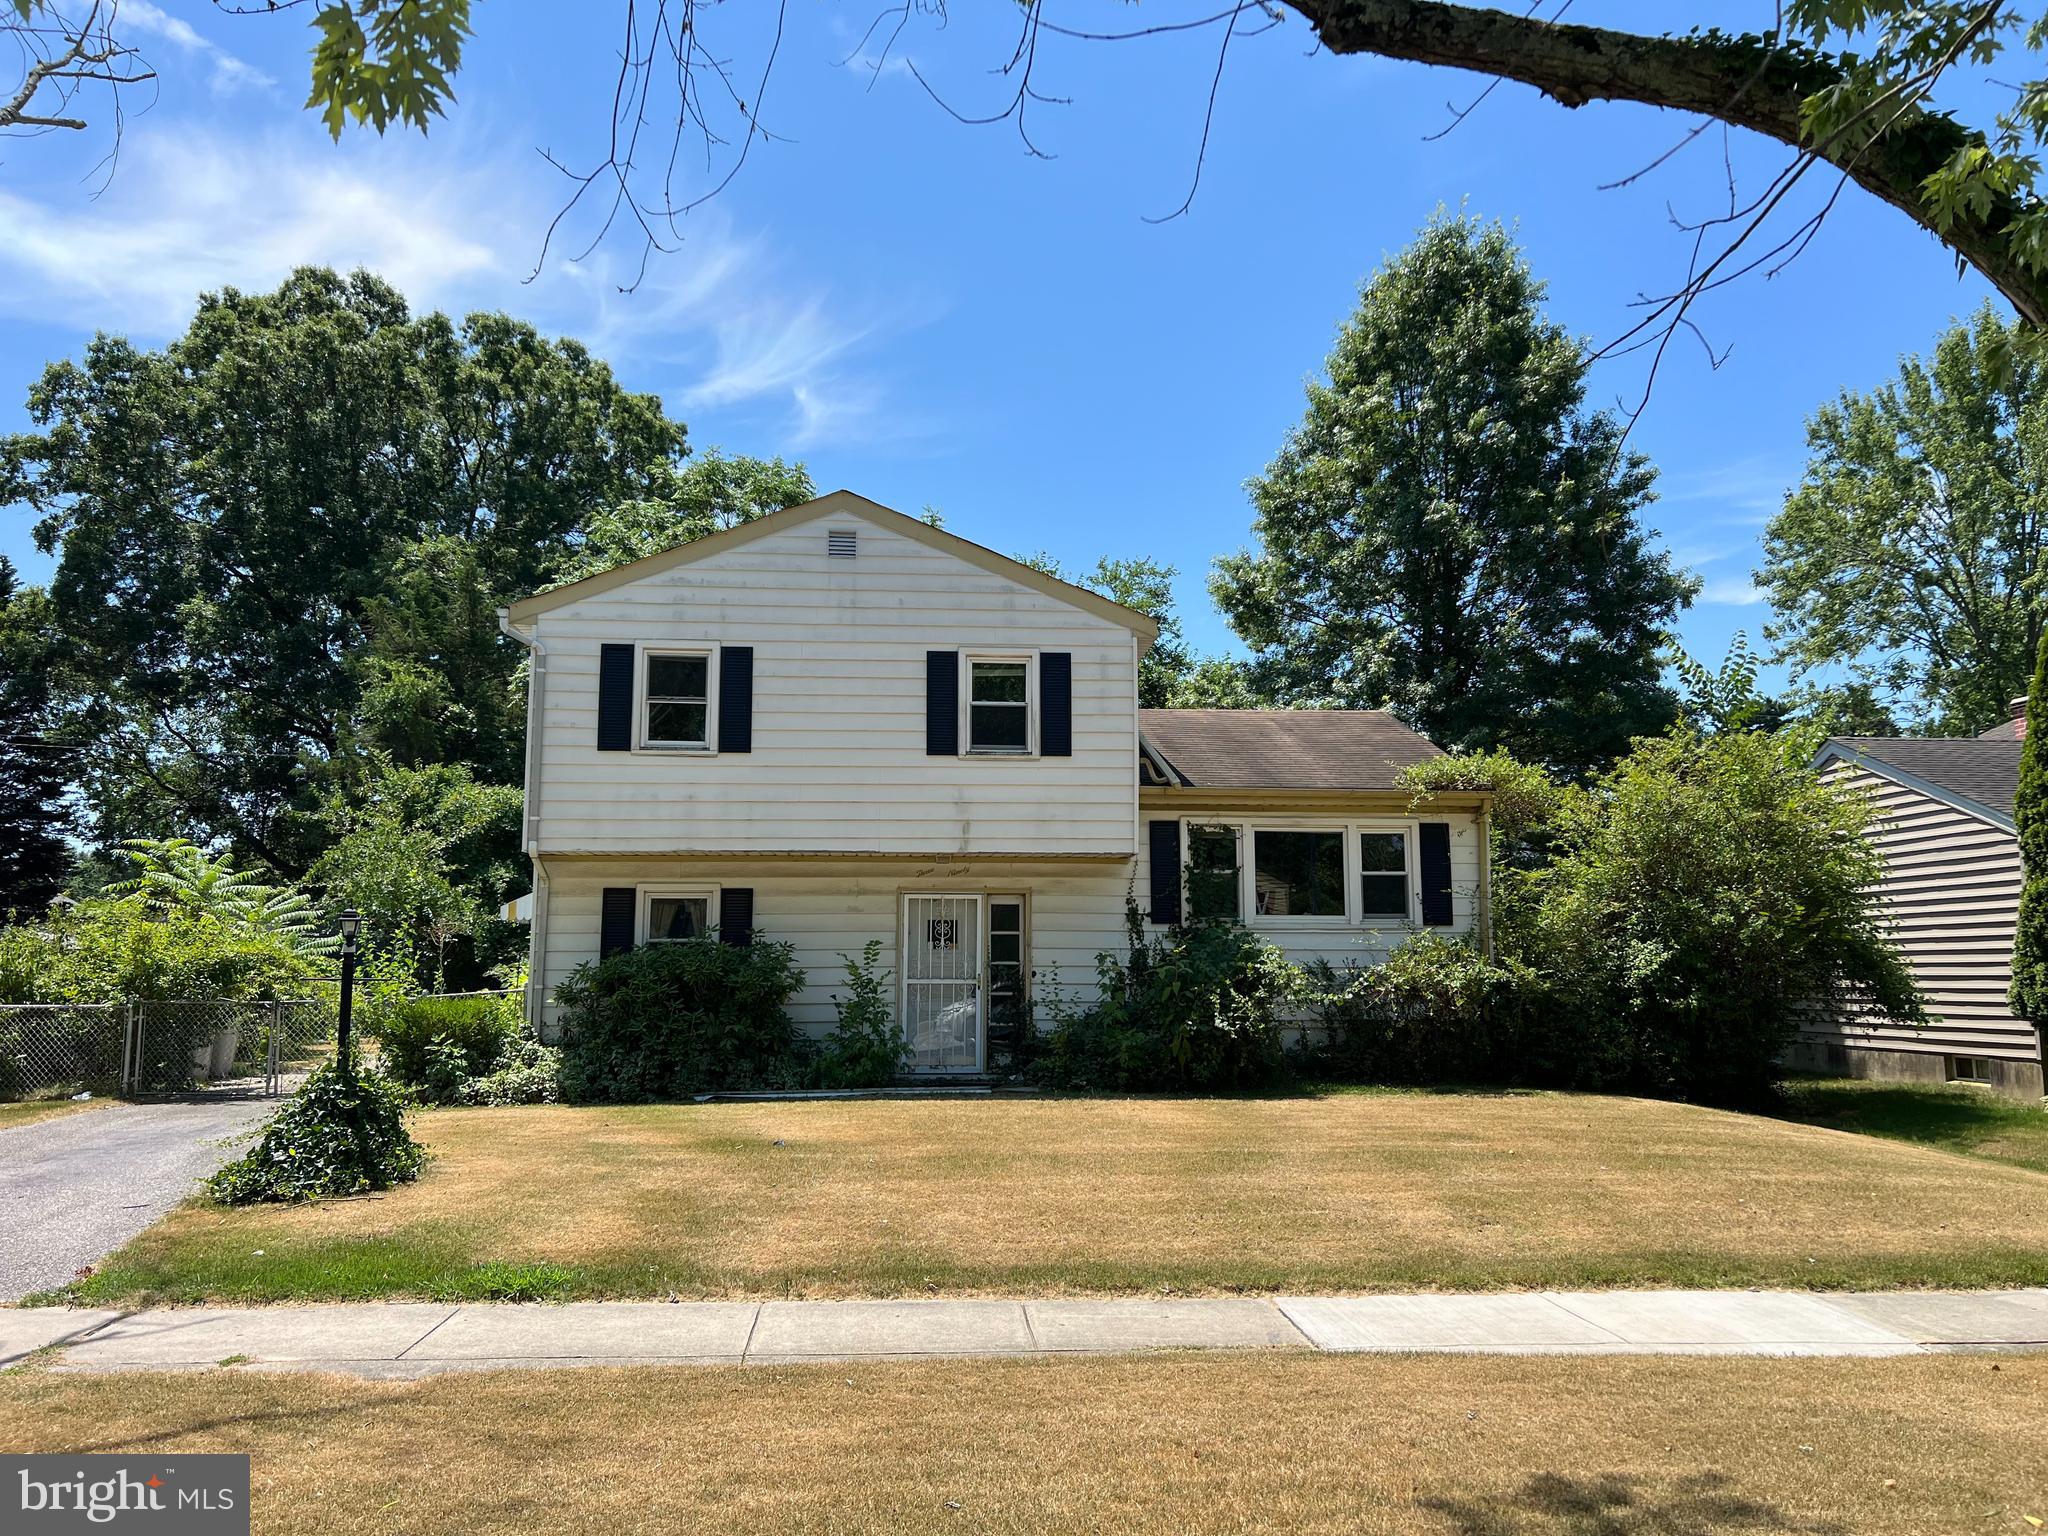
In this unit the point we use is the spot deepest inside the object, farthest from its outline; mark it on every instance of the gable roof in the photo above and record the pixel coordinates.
(840, 503)
(1281, 748)
(1979, 775)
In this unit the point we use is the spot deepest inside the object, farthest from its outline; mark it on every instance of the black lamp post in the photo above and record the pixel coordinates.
(351, 923)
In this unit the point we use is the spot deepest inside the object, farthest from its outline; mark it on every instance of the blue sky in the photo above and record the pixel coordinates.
(927, 314)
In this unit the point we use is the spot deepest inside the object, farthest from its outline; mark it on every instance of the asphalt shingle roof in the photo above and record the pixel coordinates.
(1985, 770)
(1283, 748)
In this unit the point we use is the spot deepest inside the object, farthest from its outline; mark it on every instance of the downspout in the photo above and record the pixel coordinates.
(1485, 878)
(536, 938)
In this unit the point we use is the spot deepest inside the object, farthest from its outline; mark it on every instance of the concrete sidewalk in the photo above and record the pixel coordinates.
(407, 1339)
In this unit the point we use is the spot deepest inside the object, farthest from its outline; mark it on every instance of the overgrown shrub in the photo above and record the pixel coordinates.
(866, 1049)
(667, 1020)
(432, 1043)
(531, 1073)
(1700, 900)
(1438, 1011)
(102, 951)
(340, 1134)
(1198, 1007)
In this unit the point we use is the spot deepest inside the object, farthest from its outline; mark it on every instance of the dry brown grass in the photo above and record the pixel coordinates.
(28, 1111)
(1348, 1192)
(1478, 1445)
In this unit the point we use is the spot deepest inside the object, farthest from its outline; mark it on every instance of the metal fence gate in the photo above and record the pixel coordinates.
(162, 1046)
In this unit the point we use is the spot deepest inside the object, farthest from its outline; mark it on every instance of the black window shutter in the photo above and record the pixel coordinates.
(615, 698)
(1056, 704)
(1435, 850)
(615, 926)
(736, 698)
(1165, 836)
(736, 915)
(942, 703)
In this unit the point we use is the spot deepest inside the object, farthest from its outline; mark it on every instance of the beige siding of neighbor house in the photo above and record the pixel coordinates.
(1951, 891)
(838, 762)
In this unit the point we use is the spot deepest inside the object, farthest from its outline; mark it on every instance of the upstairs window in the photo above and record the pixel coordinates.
(999, 706)
(678, 707)
(1383, 875)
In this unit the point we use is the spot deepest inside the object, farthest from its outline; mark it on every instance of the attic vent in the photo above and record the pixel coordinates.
(841, 543)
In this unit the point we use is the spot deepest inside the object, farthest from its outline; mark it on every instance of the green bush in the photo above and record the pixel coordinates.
(1199, 1007)
(104, 951)
(1438, 1011)
(866, 1049)
(1700, 899)
(434, 1043)
(668, 1020)
(531, 1073)
(340, 1134)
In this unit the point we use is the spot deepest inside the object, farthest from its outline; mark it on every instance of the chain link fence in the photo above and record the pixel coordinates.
(51, 1049)
(162, 1046)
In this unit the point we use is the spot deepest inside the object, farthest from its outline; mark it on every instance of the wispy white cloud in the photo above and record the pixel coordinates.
(229, 73)
(1734, 592)
(1753, 485)
(721, 324)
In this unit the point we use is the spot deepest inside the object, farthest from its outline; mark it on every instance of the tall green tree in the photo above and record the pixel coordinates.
(1449, 533)
(283, 536)
(712, 492)
(1915, 548)
(2030, 812)
(34, 814)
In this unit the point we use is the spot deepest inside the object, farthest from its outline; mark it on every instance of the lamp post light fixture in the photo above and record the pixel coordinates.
(351, 924)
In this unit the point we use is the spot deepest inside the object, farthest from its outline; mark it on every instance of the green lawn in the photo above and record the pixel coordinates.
(1954, 1118)
(1102, 1196)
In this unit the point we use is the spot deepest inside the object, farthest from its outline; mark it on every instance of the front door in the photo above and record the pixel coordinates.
(942, 1014)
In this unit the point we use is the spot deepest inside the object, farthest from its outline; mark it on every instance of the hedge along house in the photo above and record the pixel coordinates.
(838, 724)
(1951, 890)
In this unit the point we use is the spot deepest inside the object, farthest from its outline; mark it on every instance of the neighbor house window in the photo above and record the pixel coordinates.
(1298, 874)
(1006, 970)
(1213, 868)
(998, 706)
(672, 916)
(678, 706)
(1969, 1069)
(1382, 874)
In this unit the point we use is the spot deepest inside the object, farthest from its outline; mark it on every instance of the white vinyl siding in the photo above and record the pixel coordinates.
(1951, 893)
(838, 762)
(828, 908)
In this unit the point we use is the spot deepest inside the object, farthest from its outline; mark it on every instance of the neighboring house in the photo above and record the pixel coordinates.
(837, 724)
(1951, 889)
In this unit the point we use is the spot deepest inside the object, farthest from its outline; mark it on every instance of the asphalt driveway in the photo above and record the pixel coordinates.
(75, 1188)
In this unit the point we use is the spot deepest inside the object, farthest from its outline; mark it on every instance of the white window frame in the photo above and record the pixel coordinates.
(1029, 661)
(643, 916)
(1354, 853)
(1248, 828)
(1953, 1070)
(641, 671)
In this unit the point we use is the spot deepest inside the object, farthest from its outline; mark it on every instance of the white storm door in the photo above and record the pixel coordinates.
(942, 982)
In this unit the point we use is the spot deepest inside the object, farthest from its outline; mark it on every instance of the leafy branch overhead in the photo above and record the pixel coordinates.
(1853, 86)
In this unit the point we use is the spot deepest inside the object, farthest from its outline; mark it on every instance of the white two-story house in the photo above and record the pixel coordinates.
(837, 724)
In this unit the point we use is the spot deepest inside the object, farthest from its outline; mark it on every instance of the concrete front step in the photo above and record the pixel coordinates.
(403, 1339)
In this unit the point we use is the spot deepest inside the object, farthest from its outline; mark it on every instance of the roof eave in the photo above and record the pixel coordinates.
(1835, 750)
